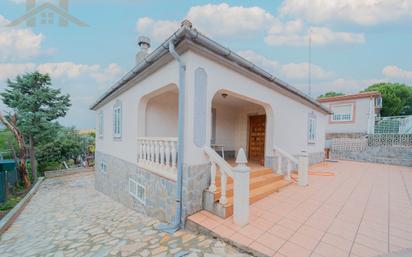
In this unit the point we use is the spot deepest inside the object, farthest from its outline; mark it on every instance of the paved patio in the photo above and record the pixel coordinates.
(365, 209)
(67, 217)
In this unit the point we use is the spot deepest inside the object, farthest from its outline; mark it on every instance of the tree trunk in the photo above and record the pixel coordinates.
(33, 158)
(22, 169)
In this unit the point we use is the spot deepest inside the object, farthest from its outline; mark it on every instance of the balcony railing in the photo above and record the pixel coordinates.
(159, 155)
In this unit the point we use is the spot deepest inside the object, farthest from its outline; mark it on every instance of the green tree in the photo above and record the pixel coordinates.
(36, 104)
(330, 94)
(396, 98)
(66, 144)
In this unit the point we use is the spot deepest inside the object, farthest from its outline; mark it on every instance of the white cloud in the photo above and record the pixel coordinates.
(17, 44)
(396, 72)
(365, 12)
(10, 70)
(290, 71)
(62, 70)
(319, 36)
(344, 85)
(213, 20)
(223, 20)
(157, 30)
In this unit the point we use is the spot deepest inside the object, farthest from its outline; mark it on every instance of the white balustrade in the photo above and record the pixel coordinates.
(158, 154)
(301, 162)
(240, 176)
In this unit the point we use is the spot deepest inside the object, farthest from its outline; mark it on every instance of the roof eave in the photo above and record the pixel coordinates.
(215, 47)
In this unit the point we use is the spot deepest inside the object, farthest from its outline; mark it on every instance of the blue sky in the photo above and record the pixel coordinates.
(354, 44)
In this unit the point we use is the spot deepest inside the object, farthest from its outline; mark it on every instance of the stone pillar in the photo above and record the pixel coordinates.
(241, 190)
(303, 169)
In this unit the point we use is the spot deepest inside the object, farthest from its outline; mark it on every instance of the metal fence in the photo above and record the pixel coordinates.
(393, 125)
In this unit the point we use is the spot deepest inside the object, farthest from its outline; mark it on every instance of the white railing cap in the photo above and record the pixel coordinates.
(241, 157)
(158, 138)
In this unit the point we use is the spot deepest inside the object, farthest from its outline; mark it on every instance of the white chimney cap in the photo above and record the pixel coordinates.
(145, 41)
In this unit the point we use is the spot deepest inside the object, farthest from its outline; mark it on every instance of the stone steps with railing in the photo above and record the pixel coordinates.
(263, 182)
(232, 189)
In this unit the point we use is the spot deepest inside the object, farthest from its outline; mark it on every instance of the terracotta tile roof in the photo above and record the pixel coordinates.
(349, 97)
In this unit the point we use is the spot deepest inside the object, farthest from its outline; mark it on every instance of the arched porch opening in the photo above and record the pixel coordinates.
(241, 122)
(158, 130)
(158, 113)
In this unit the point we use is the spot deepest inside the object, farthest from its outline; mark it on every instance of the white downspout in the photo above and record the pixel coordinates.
(180, 150)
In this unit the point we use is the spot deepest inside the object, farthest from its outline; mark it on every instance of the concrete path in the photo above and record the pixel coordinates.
(67, 217)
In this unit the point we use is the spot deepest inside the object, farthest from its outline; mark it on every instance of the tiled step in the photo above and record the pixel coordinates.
(255, 182)
(253, 174)
(263, 182)
(257, 194)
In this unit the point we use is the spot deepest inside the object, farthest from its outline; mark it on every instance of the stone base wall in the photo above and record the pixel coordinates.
(160, 192)
(381, 154)
(196, 178)
(344, 135)
(114, 182)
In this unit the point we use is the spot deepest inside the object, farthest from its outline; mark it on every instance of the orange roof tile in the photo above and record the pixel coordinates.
(349, 97)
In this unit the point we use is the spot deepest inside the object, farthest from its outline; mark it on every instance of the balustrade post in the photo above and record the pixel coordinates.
(303, 169)
(156, 160)
(151, 152)
(174, 154)
(223, 182)
(279, 170)
(162, 153)
(144, 150)
(212, 187)
(289, 170)
(241, 190)
(167, 152)
(140, 155)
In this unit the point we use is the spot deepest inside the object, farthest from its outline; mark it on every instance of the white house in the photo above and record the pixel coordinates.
(353, 114)
(158, 127)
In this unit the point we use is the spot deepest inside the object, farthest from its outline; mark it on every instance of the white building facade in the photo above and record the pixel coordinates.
(352, 114)
(227, 104)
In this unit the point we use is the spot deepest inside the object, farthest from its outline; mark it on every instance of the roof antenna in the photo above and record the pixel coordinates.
(309, 63)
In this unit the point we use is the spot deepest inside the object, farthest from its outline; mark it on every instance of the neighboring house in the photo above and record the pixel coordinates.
(352, 114)
(226, 102)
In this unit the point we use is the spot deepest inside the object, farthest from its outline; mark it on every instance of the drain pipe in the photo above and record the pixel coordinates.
(180, 149)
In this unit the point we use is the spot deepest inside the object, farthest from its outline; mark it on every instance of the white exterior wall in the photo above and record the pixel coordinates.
(288, 129)
(162, 115)
(126, 147)
(290, 123)
(364, 114)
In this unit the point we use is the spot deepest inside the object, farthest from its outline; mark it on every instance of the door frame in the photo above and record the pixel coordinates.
(249, 131)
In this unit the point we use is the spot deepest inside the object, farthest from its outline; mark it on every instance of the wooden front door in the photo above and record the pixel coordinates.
(257, 127)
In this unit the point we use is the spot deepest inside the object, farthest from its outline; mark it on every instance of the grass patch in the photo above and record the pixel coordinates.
(10, 203)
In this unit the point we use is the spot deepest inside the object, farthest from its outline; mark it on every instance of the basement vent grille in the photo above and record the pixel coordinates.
(137, 190)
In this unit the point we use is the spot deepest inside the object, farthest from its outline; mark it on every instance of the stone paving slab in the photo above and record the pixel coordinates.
(68, 217)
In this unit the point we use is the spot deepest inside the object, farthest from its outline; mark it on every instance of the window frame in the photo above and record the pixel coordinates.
(135, 193)
(103, 167)
(117, 120)
(312, 126)
(100, 124)
(352, 113)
